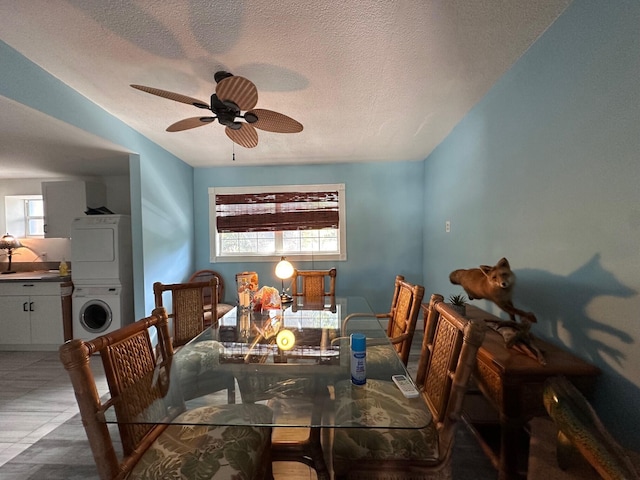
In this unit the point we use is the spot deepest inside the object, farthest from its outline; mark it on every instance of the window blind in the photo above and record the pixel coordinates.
(277, 211)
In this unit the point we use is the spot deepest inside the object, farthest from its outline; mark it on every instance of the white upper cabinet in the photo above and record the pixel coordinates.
(64, 201)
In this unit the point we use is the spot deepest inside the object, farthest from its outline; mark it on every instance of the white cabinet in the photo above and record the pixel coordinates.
(15, 322)
(64, 201)
(31, 315)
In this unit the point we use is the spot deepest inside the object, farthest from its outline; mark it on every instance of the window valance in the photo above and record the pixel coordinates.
(276, 211)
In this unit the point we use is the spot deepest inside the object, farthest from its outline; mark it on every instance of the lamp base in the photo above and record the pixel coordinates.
(284, 298)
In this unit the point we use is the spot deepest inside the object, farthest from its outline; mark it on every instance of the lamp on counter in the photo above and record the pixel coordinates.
(284, 270)
(9, 243)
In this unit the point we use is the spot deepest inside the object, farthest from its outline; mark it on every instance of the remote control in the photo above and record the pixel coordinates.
(405, 385)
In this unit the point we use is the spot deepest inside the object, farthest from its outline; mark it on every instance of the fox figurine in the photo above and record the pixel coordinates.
(491, 283)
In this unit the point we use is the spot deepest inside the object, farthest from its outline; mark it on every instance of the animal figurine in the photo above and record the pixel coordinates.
(491, 283)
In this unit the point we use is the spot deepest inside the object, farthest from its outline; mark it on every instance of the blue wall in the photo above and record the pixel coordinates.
(161, 184)
(545, 170)
(384, 227)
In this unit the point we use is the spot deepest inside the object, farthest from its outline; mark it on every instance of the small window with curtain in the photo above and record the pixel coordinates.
(301, 222)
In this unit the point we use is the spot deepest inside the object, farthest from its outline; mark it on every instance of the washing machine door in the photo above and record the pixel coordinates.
(96, 316)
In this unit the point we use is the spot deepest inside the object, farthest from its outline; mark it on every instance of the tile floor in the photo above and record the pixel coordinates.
(35, 398)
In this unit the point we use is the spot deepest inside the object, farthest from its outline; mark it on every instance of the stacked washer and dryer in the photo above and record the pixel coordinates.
(102, 275)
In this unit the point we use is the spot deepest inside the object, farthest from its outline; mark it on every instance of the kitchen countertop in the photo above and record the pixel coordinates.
(41, 276)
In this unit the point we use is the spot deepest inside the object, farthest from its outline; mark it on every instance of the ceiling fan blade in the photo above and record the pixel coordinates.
(173, 96)
(246, 136)
(239, 90)
(188, 123)
(275, 122)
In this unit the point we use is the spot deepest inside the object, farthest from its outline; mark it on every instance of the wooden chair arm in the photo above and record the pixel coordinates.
(362, 315)
(386, 340)
(371, 342)
(399, 338)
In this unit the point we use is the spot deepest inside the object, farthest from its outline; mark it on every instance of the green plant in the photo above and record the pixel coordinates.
(459, 300)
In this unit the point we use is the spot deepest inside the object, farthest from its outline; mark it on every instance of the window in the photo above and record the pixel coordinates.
(34, 217)
(25, 215)
(301, 222)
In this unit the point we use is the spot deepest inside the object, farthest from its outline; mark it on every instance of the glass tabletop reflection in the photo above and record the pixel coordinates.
(291, 359)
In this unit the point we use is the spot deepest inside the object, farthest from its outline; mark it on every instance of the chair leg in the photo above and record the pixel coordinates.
(231, 391)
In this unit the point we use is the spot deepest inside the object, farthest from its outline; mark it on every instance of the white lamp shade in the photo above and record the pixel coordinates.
(284, 269)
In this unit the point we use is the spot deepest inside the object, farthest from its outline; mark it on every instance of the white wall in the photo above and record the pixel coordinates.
(118, 194)
(16, 187)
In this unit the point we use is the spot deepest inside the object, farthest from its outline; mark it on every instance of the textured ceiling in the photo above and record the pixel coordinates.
(369, 80)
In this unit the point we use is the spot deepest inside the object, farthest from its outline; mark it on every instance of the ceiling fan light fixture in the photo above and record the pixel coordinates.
(232, 107)
(250, 117)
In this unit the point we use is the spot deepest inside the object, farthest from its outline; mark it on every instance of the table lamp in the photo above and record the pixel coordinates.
(284, 270)
(10, 243)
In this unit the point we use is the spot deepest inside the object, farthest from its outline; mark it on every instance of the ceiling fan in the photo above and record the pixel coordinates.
(233, 95)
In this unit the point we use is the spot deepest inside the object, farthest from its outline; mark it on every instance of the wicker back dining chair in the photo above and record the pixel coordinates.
(187, 308)
(313, 283)
(401, 319)
(138, 377)
(447, 360)
(209, 301)
(188, 313)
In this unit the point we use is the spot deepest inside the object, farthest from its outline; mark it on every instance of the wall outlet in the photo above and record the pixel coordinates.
(43, 256)
(447, 226)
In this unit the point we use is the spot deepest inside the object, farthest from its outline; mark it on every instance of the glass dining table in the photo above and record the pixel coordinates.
(290, 359)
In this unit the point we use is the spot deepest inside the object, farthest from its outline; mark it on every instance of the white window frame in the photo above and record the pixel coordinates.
(16, 215)
(318, 256)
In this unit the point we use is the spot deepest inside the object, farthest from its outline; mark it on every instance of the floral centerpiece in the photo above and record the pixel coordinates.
(267, 298)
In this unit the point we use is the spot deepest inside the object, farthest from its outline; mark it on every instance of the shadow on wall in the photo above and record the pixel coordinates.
(563, 300)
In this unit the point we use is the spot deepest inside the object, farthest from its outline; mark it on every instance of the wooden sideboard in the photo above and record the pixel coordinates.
(512, 383)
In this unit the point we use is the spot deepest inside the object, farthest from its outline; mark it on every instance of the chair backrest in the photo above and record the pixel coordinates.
(403, 316)
(188, 309)
(205, 276)
(129, 361)
(447, 360)
(327, 303)
(313, 283)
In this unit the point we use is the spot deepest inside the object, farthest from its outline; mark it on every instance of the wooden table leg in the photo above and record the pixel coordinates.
(310, 450)
(510, 439)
